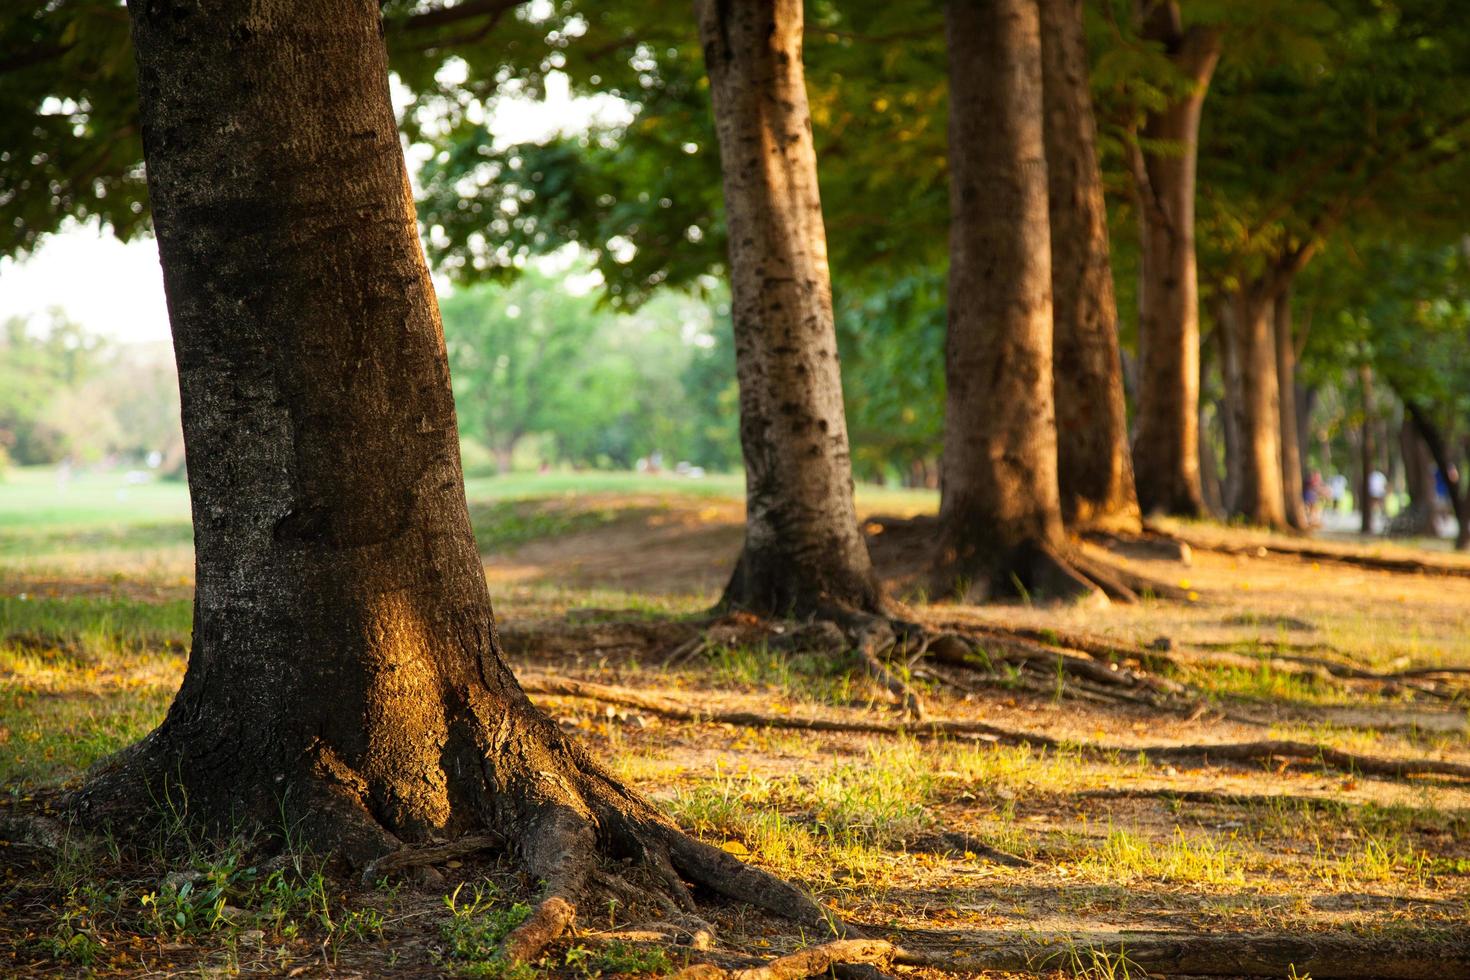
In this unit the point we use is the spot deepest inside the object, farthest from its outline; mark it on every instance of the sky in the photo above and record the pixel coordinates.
(116, 290)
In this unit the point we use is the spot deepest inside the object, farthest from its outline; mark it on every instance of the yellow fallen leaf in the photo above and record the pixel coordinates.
(734, 847)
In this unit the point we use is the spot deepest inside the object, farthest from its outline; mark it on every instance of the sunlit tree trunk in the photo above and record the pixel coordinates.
(803, 549)
(1165, 451)
(1259, 500)
(1094, 469)
(1000, 516)
(345, 674)
(1290, 429)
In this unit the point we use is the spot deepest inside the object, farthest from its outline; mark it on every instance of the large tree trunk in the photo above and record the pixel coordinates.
(345, 671)
(803, 549)
(999, 514)
(1290, 430)
(1094, 469)
(1260, 500)
(1164, 448)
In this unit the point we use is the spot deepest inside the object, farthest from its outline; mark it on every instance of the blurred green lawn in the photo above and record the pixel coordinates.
(106, 515)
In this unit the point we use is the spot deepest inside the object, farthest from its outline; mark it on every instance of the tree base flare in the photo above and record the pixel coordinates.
(530, 792)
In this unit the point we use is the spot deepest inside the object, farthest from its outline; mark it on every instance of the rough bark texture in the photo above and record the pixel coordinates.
(1094, 468)
(1259, 499)
(1291, 426)
(345, 672)
(1000, 523)
(1165, 455)
(802, 548)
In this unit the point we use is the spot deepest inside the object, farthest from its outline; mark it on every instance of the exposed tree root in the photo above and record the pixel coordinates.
(1308, 552)
(953, 842)
(814, 961)
(418, 857)
(1332, 956)
(1260, 751)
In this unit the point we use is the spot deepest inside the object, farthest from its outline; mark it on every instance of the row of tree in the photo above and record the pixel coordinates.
(1245, 148)
(333, 543)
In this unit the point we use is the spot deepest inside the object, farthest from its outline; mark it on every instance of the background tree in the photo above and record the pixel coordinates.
(1094, 470)
(1000, 524)
(332, 539)
(1164, 163)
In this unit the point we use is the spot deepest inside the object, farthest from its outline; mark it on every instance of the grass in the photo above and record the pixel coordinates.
(84, 671)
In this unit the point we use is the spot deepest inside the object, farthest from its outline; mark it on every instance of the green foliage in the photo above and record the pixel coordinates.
(70, 145)
(535, 358)
(67, 393)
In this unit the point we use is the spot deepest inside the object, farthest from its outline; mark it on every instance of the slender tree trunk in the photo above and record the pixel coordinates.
(1439, 449)
(1365, 445)
(1260, 500)
(803, 549)
(999, 513)
(1164, 448)
(1209, 469)
(1094, 469)
(345, 670)
(1290, 430)
(1306, 403)
(505, 454)
(1232, 400)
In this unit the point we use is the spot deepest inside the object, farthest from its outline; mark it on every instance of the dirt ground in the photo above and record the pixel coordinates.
(1077, 846)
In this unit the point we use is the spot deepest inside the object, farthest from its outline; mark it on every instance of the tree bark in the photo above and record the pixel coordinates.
(345, 673)
(1165, 454)
(1094, 468)
(1260, 499)
(1291, 447)
(1000, 524)
(803, 549)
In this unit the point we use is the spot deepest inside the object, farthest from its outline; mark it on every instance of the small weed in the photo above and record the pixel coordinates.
(616, 959)
(475, 929)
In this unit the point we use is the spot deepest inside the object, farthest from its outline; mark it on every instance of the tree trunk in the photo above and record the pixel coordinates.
(1365, 445)
(1418, 519)
(1291, 446)
(803, 549)
(1260, 500)
(1211, 485)
(1094, 469)
(505, 456)
(1000, 521)
(1232, 400)
(1459, 492)
(345, 673)
(1164, 448)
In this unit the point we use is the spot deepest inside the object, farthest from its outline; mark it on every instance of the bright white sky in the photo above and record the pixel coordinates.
(116, 290)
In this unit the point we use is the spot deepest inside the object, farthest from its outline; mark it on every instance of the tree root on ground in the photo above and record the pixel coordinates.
(1238, 752)
(1307, 552)
(1331, 956)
